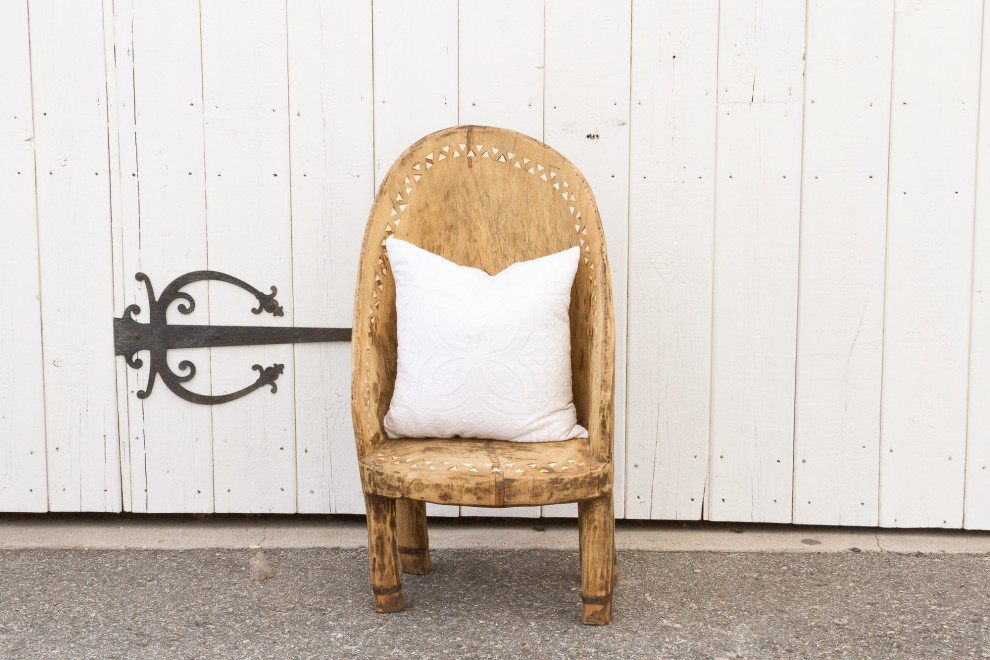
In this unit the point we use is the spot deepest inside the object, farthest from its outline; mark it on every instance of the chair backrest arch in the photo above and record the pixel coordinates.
(484, 197)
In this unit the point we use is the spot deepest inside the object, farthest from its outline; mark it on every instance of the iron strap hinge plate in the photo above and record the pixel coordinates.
(158, 337)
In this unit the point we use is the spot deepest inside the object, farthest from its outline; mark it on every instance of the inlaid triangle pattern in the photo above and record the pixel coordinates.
(512, 469)
(452, 153)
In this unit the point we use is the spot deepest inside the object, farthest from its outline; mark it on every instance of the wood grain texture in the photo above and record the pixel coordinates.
(977, 502)
(598, 563)
(414, 538)
(490, 473)
(71, 152)
(332, 167)
(457, 193)
(671, 215)
(487, 198)
(502, 91)
(23, 478)
(843, 231)
(586, 116)
(757, 214)
(383, 555)
(245, 90)
(929, 263)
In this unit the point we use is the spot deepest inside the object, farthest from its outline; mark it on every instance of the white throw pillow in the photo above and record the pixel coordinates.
(482, 356)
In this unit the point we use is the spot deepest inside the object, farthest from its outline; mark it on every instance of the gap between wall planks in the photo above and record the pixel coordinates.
(23, 480)
(671, 202)
(843, 229)
(929, 263)
(69, 87)
(977, 512)
(117, 202)
(333, 182)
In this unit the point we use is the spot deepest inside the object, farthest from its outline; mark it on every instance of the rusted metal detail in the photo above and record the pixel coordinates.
(382, 591)
(158, 337)
(403, 550)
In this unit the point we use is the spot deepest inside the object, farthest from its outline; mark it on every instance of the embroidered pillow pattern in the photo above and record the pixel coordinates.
(479, 355)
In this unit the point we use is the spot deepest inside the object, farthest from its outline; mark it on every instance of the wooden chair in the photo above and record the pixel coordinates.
(484, 197)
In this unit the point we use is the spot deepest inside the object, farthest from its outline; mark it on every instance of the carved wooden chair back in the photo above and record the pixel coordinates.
(484, 197)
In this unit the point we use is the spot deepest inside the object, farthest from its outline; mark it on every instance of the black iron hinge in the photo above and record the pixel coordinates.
(158, 337)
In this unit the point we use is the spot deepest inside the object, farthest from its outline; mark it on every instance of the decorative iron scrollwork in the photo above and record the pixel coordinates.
(158, 337)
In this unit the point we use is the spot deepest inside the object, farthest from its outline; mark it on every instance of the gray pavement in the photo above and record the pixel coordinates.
(505, 603)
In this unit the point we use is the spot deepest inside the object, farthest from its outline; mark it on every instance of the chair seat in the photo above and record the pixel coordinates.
(492, 473)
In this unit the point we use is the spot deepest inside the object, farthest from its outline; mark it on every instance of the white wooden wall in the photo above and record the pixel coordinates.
(796, 197)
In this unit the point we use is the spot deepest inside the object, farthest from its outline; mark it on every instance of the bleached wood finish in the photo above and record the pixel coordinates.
(23, 477)
(431, 66)
(332, 169)
(487, 198)
(843, 232)
(671, 214)
(416, 96)
(164, 234)
(71, 153)
(502, 91)
(123, 202)
(505, 90)
(977, 510)
(757, 214)
(245, 90)
(929, 262)
(586, 115)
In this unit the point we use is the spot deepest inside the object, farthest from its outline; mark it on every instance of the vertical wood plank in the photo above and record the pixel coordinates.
(123, 196)
(415, 69)
(586, 110)
(415, 79)
(977, 497)
(843, 229)
(757, 214)
(71, 150)
(504, 91)
(163, 233)
(23, 481)
(671, 214)
(331, 140)
(929, 261)
(245, 92)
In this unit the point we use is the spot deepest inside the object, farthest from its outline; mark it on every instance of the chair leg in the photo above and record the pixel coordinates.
(383, 555)
(598, 567)
(615, 563)
(414, 539)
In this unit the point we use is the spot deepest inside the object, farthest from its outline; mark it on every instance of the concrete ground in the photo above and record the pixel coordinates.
(83, 587)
